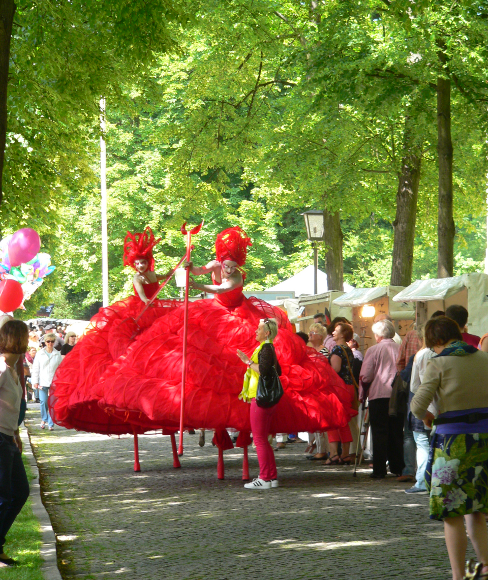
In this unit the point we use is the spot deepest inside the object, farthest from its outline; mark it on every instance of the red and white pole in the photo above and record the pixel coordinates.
(185, 329)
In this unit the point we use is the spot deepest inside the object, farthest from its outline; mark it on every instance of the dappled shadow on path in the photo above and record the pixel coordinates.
(186, 525)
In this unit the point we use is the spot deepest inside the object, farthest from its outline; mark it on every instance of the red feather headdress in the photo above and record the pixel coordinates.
(139, 246)
(231, 244)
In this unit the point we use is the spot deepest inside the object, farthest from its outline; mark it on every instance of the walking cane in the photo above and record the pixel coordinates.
(365, 425)
(189, 248)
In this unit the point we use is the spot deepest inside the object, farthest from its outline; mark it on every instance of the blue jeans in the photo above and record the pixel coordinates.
(422, 442)
(408, 449)
(43, 397)
(14, 487)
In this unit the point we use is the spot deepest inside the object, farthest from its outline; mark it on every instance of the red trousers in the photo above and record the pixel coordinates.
(261, 428)
(343, 434)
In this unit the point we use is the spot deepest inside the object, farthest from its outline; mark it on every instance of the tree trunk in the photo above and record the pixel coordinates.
(7, 10)
(333, 251)
(445, 222)
(406, 212)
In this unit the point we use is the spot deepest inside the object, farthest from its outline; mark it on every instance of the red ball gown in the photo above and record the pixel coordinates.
(74, 393)
(143, 386)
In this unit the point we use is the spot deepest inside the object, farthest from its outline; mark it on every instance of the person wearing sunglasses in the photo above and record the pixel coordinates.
(261, 362)
(45, 364)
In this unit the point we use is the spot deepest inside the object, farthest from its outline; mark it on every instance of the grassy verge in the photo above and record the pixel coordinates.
(24, 543)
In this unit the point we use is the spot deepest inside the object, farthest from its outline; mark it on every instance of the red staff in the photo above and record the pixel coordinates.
(189, 248)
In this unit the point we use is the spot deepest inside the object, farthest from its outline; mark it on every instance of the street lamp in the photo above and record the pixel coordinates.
(314, 222)
(180, 279)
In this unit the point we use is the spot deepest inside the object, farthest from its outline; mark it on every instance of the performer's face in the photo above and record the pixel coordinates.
(141, 265)
(228, 268)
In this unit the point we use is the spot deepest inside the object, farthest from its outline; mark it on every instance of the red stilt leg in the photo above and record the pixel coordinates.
(137, 465)
(245, 465)
(220, 464)
(176, 461)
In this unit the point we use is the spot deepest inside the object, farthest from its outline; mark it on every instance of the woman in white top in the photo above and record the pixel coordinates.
(45, 364)
(14, 487)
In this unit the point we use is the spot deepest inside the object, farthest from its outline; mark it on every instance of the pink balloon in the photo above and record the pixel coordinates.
(23, 246)
(11, 295)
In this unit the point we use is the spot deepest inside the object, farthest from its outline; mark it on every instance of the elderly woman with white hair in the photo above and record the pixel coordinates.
(45, 365)
(378, 371)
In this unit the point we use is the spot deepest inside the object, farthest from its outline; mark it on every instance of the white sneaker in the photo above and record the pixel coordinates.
(258, 484)
(274, 483)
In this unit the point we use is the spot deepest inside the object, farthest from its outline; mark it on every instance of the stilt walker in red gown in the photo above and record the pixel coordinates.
(75, 391)
(144, 386)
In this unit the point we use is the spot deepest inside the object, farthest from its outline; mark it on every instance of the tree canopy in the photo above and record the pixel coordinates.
(242, 113)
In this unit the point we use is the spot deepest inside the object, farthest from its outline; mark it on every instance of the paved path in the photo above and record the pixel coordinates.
(184, 524)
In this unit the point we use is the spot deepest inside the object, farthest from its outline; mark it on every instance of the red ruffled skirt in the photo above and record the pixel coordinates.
(144, 386)
(75, 394)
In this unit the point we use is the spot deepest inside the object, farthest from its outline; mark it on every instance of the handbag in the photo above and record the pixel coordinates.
(399, 397)
(356, 387)
(269, 390)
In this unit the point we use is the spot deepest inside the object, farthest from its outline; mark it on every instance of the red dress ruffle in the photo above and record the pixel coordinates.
(144, 386)
(74, 393)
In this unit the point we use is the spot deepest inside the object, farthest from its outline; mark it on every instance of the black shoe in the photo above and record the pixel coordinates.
(7, 562)
(313, 458)
(377, 476)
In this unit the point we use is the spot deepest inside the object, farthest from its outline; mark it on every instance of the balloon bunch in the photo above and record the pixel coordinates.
(22, 268)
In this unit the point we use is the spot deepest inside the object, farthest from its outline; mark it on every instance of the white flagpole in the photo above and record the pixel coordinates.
(103, 191)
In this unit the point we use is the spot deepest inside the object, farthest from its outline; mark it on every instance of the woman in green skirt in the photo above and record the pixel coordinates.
(457, 469)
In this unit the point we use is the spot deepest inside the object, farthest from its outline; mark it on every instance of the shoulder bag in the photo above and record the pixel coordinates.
(270, 389)
(356, 387)
(398, 404)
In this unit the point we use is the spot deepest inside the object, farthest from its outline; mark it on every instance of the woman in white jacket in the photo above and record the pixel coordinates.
(45, 364)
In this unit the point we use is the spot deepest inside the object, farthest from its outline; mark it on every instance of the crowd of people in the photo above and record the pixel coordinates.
(438, 437)
(47, 347)
(426, 394)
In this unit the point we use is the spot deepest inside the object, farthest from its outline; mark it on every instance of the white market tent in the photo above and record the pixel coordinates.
(468, 290)
(302, 286)
(302, 283)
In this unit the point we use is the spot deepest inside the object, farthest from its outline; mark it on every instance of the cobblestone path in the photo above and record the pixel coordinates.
(184, 524)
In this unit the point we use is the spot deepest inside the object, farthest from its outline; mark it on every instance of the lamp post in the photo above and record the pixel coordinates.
(314, 223)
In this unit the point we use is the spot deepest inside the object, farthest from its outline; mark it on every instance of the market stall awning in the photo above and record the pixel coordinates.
(434, 289)
(360, 296)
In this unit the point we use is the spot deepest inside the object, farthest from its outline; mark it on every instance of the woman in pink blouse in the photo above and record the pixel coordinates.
(378, 371)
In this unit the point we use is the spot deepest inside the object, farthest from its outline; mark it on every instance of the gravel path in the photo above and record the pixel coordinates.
(184, 524)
